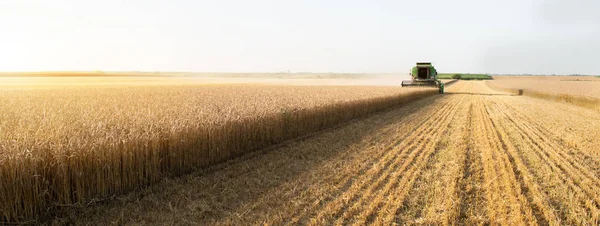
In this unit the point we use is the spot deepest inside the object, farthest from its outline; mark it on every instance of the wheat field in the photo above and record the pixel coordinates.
(75, 145)
(138, 155)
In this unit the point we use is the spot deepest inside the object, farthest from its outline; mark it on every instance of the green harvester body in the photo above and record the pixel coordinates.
(424, 75)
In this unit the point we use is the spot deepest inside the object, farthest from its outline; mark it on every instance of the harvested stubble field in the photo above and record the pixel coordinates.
(472, 156)
(74, 145)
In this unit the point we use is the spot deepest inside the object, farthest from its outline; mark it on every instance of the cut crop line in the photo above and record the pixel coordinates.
(563, 163)
(534, 192)
(390, 210)
(470, 191)
(519, 211)
(411, 147)
(383, 159)
(557, 147)
(560, 169)
(344, 183)
(528, 152)
(435, 186)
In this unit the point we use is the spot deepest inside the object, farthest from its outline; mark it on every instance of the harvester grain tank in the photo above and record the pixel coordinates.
(424, 75)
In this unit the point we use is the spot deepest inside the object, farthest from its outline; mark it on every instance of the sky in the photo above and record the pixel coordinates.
(375, 36)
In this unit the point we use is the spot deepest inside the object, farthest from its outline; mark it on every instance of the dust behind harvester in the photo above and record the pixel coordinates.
(424, 74)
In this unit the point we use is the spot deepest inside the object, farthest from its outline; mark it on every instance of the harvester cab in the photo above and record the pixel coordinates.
(424, 75)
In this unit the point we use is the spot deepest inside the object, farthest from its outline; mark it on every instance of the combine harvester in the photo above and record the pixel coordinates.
(424, 75)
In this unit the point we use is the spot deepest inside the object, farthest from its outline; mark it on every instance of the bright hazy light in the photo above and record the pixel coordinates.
(510, 36)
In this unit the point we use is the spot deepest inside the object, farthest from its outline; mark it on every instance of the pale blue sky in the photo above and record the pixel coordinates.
(508, 36)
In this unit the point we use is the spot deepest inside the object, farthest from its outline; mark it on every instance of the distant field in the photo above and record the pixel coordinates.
(560, 88)
(587, 86)
(80, 74)
(464, 76)
(286, 75)
(12, 80)
(546, 78)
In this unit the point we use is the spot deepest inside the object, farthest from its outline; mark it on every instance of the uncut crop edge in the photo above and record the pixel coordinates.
(37, 188)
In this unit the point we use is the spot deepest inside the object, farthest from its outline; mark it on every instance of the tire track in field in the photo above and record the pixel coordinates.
(383, 158)
(562, 179)
(455, 171)
(472, 202)
(368, 181)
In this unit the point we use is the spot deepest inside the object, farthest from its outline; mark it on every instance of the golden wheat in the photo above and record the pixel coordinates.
(72, 146)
